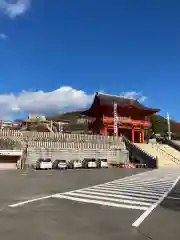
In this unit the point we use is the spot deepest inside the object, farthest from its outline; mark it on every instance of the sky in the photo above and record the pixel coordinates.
(54, 55)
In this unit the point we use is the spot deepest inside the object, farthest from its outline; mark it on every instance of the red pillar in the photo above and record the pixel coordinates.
(142, 136)
(117, 133)
(132, 135)
(105, 131)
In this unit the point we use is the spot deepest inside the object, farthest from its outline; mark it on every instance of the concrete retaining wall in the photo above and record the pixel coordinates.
(113, 156)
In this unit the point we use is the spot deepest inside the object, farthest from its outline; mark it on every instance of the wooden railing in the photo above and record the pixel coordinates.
(62, 140)
(58, 136)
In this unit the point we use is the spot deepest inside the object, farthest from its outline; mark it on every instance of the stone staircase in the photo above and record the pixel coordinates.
(165, 159)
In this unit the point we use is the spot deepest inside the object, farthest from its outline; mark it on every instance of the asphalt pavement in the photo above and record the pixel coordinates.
(63, 219)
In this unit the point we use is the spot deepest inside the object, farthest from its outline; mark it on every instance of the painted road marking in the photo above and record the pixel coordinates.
(132, 190)
(123, 193)
(104, 203)
(145, 193)
(156, 187)
(84, 195)
(118, 196)
(148, 211)
(140, 182)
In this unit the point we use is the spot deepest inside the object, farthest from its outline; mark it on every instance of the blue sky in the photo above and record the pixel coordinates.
(55, 54)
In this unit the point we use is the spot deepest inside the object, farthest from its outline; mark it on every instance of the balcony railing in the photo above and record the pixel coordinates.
(126, 120)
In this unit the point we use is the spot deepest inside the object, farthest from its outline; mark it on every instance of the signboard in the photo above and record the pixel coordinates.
(110, 120)
(124, 118)
(38, 118)
(10, 153)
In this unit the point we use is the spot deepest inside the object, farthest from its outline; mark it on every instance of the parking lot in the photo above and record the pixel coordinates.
(56, 218)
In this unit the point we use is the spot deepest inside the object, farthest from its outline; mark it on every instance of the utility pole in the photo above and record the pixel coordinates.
(169, 126)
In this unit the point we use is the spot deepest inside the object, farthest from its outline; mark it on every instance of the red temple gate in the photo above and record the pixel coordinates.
(131, 120)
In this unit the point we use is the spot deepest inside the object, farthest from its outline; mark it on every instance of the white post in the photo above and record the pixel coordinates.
(51, 125)
(169, 126)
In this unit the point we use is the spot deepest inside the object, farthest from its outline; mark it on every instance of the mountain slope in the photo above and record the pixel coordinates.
(159, 123)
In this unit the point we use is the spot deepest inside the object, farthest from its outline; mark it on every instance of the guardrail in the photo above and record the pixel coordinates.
(141, 155)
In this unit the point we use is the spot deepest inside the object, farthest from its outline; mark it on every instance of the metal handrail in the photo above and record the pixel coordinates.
(174, 159)
(173, 144)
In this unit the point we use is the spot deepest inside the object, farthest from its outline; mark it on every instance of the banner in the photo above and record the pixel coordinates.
(115, 118)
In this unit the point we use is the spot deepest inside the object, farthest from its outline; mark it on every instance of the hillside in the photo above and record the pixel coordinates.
(72, 116)
(159, 123)
(76, 124)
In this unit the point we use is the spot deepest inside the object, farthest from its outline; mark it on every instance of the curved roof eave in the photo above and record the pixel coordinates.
(105, 99)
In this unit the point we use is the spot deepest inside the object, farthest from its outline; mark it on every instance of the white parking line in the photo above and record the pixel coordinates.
(76, 194)
(100, 202)
(29, 201)
(139, 194)
(174, 198)
(148, 189)
(139, 186)
(117, 195)
(145, 192)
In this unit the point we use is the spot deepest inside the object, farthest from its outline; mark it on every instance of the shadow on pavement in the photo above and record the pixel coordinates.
(172, 202)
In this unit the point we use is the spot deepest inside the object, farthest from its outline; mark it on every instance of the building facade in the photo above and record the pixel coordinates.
(114, 115)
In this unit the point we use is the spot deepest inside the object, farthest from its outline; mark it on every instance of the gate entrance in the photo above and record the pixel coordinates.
(9, 162)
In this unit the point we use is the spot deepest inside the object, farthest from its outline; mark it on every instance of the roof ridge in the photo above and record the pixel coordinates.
(106, 94)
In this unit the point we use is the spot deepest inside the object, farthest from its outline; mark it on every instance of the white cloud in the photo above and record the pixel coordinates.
(13, 8)
(134, 95)
(40, 102)
(3, 36)
(60, 100)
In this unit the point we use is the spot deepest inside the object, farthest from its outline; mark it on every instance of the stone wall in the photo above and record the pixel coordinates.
(37, 145)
